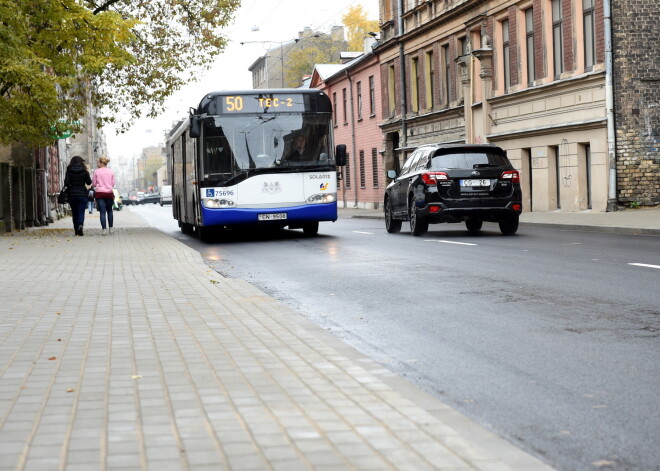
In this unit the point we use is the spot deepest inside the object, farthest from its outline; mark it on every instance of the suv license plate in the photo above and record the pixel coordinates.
(271, 216)
(476, 182)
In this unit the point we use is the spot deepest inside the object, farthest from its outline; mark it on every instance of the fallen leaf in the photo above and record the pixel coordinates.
(214, 282)
(70, 390)
(601, 463)
(136, 376)
(53, 358)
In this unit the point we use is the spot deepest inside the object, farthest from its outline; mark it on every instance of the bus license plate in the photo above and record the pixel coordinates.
(476, 182)
(271, 217)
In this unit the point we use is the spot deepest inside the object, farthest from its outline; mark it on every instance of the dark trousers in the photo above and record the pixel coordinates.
(78, 205)
(105, 206)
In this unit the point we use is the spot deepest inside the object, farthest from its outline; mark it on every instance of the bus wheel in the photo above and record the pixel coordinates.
(310, 229)
(186, 228)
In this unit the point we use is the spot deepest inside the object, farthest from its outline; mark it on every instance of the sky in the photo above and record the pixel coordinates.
(256, 20)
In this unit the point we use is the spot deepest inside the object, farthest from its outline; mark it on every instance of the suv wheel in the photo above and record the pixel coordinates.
(473, 225)
(509, 225)
(418, 226)
(391, 225)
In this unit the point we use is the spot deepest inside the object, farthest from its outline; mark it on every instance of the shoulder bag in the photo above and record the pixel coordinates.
(63, 197)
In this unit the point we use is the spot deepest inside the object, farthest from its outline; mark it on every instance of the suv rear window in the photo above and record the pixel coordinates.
(469, 160)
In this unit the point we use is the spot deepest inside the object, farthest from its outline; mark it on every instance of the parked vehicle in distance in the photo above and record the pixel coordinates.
(132, 199)
(166, 194)
(153, 198)
(454, 183)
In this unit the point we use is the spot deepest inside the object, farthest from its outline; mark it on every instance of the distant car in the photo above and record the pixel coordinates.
(153, 198)
(132, 199)
(166, 195)
(454, 183)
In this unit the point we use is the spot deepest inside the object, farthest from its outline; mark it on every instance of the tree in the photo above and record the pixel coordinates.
(309, 51)
(124, 57)
(355, 21)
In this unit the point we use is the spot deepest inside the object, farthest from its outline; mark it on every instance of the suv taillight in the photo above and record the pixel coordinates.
(512, 175)
(431, 178)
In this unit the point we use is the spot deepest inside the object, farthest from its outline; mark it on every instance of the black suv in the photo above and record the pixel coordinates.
(454, 183)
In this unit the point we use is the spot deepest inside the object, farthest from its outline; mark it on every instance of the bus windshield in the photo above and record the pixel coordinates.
(237, 144)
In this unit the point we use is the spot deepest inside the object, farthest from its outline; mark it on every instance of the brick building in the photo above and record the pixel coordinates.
(529, 76)
(354, 89)
(637, 100)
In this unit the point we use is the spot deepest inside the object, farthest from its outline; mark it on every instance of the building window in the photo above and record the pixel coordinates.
(463, 47)
(390, 90)
(589, 33)
(414, 84)
(334, 108)
(447, 77)
(363, 180)
(557, 38)
(506, 54)
(529, 44)
(430, 85)
(347, 175)
(387, 10)
(343, 94)
(374, 166)
(359, 100)
(372, 96)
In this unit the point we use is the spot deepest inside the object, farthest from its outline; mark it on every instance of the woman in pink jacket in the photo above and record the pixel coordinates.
(104, 181)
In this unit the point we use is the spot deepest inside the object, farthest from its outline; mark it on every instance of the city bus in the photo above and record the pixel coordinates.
(256, 157)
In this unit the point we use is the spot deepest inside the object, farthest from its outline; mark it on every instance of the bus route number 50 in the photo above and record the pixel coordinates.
(234, 103)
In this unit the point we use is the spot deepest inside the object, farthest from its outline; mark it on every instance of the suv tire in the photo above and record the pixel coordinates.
(391, 225)
(418, 226)
(509, 225)
(473, 225)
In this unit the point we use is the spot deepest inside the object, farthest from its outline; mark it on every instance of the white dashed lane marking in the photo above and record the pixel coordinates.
(449, 242)
(360, 232)
(646, 265)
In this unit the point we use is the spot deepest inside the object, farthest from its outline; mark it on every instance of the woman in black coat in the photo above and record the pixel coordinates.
(76, 179)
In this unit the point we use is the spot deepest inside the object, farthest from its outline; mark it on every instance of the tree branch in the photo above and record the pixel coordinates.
(104, 7)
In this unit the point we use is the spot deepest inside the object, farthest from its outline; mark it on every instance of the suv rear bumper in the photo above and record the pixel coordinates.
(488, 213)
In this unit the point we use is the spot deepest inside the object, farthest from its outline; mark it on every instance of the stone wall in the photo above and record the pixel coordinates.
(636, 46)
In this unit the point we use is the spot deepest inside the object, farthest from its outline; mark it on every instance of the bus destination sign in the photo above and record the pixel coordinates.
(260, 103)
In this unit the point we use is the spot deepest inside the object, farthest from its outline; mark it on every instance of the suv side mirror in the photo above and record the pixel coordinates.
(341, 155)
(195, 127)
(391, 174)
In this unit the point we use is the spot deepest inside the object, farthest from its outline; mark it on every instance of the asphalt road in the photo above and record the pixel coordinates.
(549, 338)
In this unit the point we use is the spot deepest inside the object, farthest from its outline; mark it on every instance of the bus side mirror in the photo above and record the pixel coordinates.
(195, 127)
(340, 155)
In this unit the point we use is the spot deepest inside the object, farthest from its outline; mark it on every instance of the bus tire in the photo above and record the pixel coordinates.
(186, 228)
(310, 229)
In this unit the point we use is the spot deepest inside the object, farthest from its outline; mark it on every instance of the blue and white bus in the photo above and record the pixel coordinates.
(262, 157)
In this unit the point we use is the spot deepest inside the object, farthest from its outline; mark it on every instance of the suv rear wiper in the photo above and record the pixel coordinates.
(484, 165)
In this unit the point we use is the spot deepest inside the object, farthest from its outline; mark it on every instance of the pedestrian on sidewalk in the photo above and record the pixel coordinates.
(76, 180)
(104, 182)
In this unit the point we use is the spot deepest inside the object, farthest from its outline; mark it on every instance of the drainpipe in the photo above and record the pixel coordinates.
(404, 104)
(350, 85)
(609, 107)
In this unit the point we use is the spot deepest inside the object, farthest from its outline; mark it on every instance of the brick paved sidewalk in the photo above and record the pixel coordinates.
(127, 352)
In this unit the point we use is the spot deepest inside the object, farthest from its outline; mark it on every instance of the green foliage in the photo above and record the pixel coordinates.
(357, 25)
(128, 56)
(310, 51)
(635, 204)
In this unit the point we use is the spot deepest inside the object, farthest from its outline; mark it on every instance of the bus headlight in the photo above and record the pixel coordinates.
(321, 198)
(216, 203)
